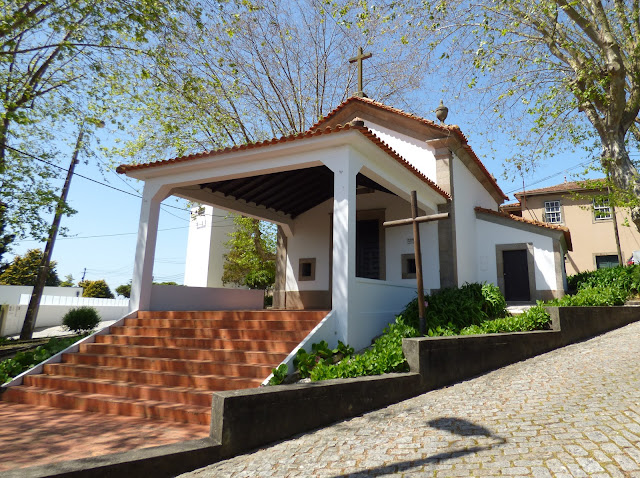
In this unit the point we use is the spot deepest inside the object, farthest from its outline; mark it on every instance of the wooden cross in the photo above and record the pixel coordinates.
(360, 57)
(415, 221)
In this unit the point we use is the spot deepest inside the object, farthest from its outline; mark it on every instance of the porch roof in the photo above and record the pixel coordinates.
(366, 133)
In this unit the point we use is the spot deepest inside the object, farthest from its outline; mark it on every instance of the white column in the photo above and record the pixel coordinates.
(345, 168)
(152, 196)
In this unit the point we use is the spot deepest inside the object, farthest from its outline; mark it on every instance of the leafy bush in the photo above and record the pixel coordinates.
(384, 356)
(535, 318)
(81, 319)
(320, 353)
(626, 279)
(22, 361)
(452, 309)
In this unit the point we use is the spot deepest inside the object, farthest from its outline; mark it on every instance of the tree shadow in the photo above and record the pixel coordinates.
(457, 426)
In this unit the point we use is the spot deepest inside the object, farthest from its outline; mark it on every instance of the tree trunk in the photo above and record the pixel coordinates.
(624, 175)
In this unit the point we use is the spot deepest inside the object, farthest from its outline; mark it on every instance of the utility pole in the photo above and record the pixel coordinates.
(36, 295)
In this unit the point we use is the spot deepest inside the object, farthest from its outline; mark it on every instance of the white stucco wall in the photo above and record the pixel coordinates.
(492, 234)
(311, 239)
(175, 297)
(468, 193)
(414, 151)
(205, 247)
(10, 294)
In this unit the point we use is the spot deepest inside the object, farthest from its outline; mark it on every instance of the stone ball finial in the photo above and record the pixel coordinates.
(441, 112)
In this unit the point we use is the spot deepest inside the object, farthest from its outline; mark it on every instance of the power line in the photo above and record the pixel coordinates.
(584, 163)
(105, 235)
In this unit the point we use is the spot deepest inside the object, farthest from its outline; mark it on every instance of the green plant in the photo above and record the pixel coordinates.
(95, 288)
(279, 374)
(81, 319)
(25, 360)
(452, 309)
(320, 354)
(384, 356)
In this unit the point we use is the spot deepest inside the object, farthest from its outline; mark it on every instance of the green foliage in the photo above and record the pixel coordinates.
(626, 278)
(67, 282)
(279, 374)
(95, 288)
(24, 270)
(124, 290)
(25, 360)
(320, 353)
(384, 356)
(452, 309)
(81, 319)
(535, 318)
(251, 258)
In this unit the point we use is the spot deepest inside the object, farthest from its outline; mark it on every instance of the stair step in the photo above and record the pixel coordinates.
(286, 335)
(191, 396)
(216, 355)
(306, 325)
(151, 377)
(315, 315)
(200, 367)
(93, 402)
(272, 346)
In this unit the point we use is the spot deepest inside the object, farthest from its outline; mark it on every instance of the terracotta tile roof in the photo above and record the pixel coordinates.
(124, 168)
(511, 205)
(564, 187)
(448, 129)
(555, 227)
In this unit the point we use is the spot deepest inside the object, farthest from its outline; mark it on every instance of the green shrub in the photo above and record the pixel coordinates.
(384, 356)
(81, 319)
(535, 318)
(626, 279)
(452, 309)
(22, 361)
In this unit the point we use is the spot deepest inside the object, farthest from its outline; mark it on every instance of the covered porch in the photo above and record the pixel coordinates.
(328, 194)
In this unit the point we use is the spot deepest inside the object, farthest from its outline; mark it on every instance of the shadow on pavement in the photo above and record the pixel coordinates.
(457, 426)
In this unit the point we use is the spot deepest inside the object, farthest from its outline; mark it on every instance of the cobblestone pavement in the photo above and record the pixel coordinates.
(569, 413)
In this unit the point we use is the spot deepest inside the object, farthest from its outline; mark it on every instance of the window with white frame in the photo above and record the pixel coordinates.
(601, 209)
(552, 212)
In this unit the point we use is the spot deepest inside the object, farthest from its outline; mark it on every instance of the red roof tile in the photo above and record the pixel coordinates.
(555, 227)
(565, 187)
(444, 128)
(124, 168)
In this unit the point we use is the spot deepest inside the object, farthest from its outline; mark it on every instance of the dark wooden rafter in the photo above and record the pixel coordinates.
(290, 192)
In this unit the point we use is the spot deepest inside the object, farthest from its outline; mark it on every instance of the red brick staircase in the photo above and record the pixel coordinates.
(166, 365)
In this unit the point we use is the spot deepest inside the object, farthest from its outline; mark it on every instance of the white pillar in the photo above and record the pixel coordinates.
(345, 168)
(142, 280)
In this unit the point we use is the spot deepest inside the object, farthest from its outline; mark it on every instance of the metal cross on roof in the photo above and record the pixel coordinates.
(360, 57)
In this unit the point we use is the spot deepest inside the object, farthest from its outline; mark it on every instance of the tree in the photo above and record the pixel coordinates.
(573, 67)
(5, 239)
(124, 290)
(258, 70)
(67, 282)
(52, 55)
(23, 270)
(251, 258)
(95, 288)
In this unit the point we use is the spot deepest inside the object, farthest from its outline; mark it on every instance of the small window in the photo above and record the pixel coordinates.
(552, 212)
(408, 266)
(605, 262)
(601, 209)
(307, 269)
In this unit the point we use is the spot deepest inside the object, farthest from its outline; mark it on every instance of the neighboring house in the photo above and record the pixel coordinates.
(582, 207)
(329, 190)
